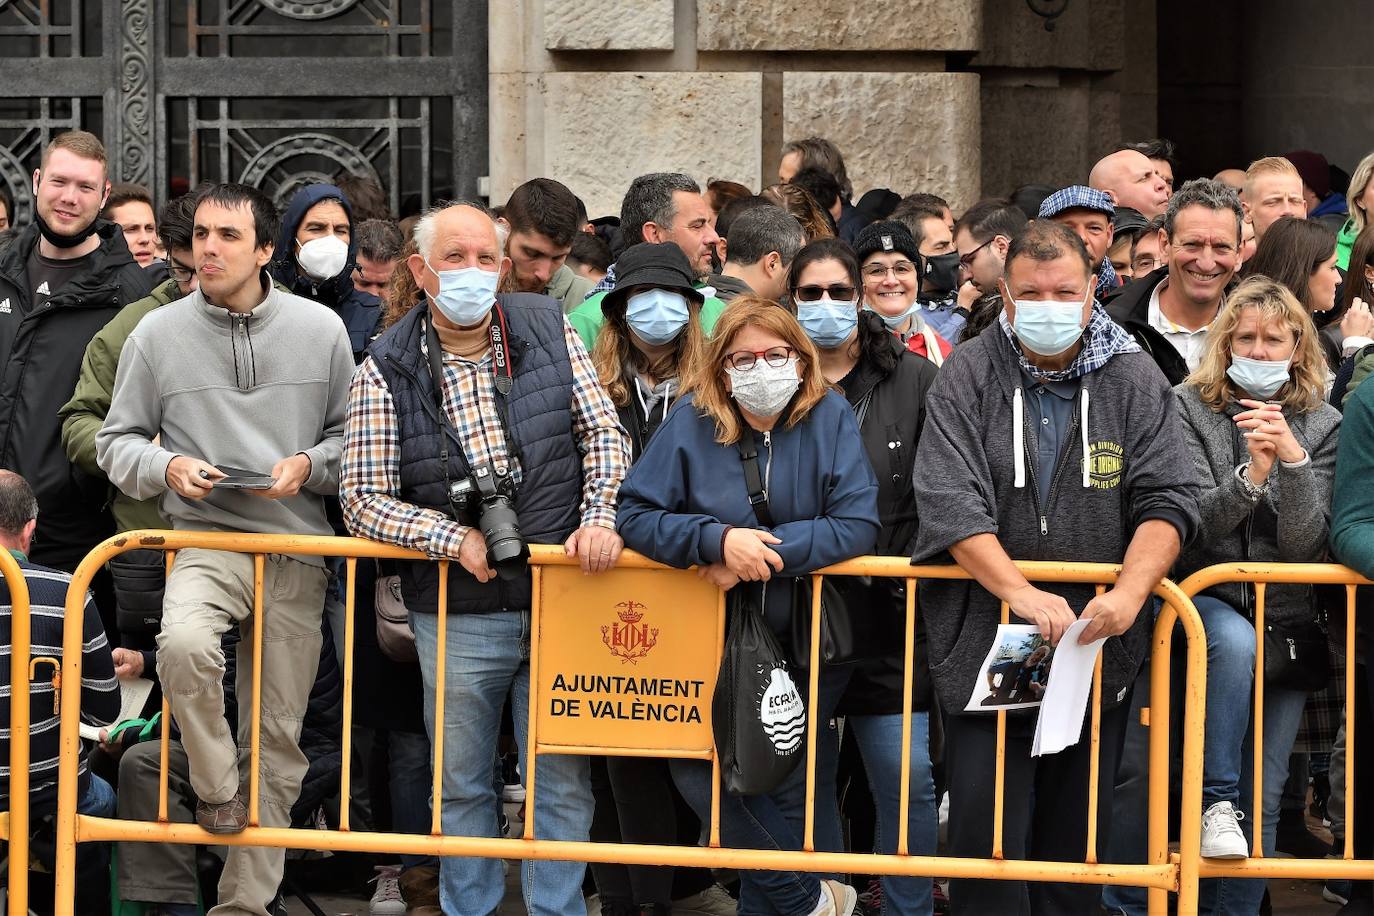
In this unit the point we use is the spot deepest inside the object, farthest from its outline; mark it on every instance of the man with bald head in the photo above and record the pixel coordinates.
(1132, 180)
(1232, 178)
(471, 399)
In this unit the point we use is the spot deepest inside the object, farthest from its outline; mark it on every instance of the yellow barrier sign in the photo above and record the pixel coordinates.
(626, 660)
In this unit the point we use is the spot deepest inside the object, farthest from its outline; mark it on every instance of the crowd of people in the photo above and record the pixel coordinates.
(757, 385)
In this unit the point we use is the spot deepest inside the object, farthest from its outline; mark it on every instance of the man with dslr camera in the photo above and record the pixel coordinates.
(476, 426)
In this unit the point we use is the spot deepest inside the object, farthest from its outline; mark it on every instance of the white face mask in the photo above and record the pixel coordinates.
(323, 258)
(764, 390)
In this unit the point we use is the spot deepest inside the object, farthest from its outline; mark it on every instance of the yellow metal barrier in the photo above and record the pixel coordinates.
(15, 822)
(555, 580)
(1261, 574)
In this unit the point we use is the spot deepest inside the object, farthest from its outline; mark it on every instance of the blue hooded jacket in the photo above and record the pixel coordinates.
(361, 312)
(686, 488)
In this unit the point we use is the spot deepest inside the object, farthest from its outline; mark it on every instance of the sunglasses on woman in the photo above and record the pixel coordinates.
(812, 292)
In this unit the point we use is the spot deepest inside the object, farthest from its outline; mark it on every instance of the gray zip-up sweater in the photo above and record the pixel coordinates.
(239, 390)
(968, 486)
(1234, 529)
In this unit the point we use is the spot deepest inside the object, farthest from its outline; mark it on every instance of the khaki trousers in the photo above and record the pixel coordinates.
(207, 592)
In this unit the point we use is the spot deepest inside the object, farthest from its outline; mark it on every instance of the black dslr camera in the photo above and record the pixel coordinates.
(488, 493)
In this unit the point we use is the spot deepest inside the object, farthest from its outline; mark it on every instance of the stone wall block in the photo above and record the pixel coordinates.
(601, 130)
(905, 131)
(1088, 36)
(1036, 135)
(839, 25)
(595, 25)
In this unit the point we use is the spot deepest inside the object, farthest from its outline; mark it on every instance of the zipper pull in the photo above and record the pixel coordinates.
(1044, 526)
(768, 439)
(1292, 649)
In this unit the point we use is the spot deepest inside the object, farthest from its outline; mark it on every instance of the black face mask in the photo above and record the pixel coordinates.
(56, 239)
(942, 276)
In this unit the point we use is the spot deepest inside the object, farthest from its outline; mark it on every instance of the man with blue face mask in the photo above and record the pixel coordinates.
(475, 392)
(1050, 437)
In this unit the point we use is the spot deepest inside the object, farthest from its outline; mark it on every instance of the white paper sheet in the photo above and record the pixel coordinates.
(133, 693)
(1060, 723)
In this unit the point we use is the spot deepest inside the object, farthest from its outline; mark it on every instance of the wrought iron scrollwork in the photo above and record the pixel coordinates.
(318, 9)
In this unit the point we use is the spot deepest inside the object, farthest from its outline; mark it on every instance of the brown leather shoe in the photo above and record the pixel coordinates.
(420, 888)
(226, 817)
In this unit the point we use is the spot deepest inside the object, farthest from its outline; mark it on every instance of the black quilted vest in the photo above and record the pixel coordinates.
(539, 408)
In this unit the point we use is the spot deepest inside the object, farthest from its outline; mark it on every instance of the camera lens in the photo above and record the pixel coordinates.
(500, 526)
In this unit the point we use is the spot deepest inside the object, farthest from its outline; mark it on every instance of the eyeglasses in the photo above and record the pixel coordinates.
(179, 273)
(812, 292)
(966, 260)
(1144, 265)
(900, 269)
(744, 360)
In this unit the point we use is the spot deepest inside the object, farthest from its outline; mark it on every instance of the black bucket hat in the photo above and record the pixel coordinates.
(660, 265)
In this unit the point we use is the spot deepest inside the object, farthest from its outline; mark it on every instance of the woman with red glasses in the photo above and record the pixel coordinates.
(758, 390)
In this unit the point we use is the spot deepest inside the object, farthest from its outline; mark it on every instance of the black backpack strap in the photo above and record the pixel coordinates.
(753, 479)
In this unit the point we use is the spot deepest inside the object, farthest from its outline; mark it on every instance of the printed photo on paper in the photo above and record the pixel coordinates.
(1015, 673)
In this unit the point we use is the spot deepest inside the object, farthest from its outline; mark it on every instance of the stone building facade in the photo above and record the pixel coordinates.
(959, 97)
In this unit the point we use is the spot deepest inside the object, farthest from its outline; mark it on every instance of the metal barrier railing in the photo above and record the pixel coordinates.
(555, 579)
(14, 823)
(1261, 574)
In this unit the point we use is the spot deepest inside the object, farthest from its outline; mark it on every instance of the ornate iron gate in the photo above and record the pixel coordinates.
(275, 93)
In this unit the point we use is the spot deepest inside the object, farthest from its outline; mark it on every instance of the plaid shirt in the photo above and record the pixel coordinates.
(370, 479)
(605, 284)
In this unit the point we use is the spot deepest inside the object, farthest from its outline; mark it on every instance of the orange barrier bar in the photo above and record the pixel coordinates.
(17, 819)
(1161, 874)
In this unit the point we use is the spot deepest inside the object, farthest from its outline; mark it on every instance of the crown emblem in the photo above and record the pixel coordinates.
(631, 612)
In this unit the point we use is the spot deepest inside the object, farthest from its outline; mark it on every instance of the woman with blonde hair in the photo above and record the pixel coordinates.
(757, 397)
(1359, 198)
(1263, 441)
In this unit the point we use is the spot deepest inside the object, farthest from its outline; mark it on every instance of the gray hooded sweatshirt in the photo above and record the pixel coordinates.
(1123, 471)
(239, 390)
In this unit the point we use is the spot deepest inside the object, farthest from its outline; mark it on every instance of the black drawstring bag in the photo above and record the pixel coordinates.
(757, 712)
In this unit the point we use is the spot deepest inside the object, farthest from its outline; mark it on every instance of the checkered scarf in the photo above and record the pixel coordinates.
(1102, 339)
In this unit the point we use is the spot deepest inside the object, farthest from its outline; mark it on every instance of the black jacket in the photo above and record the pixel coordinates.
(361, 312)
(41, 352)
(891, 428)
(1129, 307)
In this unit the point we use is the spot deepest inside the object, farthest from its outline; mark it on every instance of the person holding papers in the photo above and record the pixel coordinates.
(1053, 437)
(1264, 442)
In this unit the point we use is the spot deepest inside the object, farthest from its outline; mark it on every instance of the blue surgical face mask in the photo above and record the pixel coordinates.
(1261, 377)
(1046, 326)
(828, 322)
(657, 316)
(894, 322)
(466, 294)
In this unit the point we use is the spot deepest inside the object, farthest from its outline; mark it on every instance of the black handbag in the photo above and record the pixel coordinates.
(758, 716)
(839, 641)
(1297, 658)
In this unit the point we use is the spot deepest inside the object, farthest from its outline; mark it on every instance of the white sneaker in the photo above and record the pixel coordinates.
(1221, 836)
(387, 899)
(836, 899)
(714, 901)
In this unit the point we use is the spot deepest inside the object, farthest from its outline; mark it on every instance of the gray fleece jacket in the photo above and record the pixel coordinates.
(1235, 529)
(238, 390)
(969, 486)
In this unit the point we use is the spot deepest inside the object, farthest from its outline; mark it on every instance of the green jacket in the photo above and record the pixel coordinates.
(568, 287)
(587, 319)
(1345, 240)
(84, 414)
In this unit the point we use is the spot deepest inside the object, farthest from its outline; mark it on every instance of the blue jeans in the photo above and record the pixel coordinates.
(411, 777)
(487, 659)
(758, 822)
(880, 743)
(98, 799)
(1282, 718)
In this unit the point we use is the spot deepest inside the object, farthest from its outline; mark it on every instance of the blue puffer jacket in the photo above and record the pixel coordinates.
(361, 312)
(686, 488)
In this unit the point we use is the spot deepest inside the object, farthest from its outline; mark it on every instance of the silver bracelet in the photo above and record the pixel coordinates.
(1255, 493)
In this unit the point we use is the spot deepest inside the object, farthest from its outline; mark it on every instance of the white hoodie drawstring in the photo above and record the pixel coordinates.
(1018, 438)
(1083, 424)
